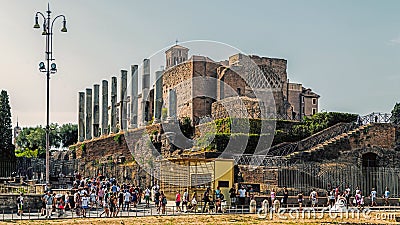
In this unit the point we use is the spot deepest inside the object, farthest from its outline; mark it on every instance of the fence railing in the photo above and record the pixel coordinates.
(305, 177)
(59, 214)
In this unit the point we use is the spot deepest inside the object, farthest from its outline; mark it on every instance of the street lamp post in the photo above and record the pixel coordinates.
(48, 69)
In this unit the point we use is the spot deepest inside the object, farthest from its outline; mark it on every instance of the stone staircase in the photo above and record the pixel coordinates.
(332, 141)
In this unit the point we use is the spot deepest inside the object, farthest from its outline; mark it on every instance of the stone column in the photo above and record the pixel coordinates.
(88, 113)
(145, 90)
(134, 96)
(123, 109)
(172, 105)
(104, 108)
(113, 104)
(96, 111)
(158, 100)
(81, 117)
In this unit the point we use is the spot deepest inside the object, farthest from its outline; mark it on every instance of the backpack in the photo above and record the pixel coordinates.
(164, 200)
(221, 196)
(18, 200)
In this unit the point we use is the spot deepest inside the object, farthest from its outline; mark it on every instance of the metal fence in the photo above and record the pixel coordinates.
(140, 211)
(304, 177)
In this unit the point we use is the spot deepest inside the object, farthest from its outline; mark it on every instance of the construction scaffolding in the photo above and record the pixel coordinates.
(196, 175)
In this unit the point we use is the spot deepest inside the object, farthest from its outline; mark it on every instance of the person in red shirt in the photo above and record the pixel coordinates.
(178, 201)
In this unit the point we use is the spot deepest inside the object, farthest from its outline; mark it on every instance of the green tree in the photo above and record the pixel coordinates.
(395, 118)
(6, 146)
(34, 138)
(68, 134)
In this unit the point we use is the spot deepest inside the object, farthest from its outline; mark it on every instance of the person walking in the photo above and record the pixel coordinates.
(232, 196)
(313, 198)
(85, 204)
(163, 200)
(386, 196)
(20, 204)
(300, 200)
(67, 201)
(127, 199)
(147, 193)
(194, 202)
(373, 197)
(347, 195)
(49, 204)
(206, 199)
(273, 195)
(285, 196)
(178, 201)
(185, 200)
(242, 196)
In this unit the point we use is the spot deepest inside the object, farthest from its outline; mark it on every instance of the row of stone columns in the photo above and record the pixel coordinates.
(89, 124)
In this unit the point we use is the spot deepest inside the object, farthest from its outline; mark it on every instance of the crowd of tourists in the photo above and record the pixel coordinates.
(111, 197)
(101, 193)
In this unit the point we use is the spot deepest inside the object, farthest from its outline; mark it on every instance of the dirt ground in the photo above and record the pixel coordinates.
(215, 219)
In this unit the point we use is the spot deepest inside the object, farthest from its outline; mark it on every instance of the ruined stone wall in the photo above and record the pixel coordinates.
(279, 65)
(31, 201)
(112, 155)
(295, 97)
(237, 107)
(266, 177)
(379, 139)
(382, 135)
(178, 77)
(232, 84)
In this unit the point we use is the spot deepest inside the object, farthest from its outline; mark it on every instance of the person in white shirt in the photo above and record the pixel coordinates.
(386, 196)
(147, 197)
(85, 204)
(49, 204)
(185, 200)
(127, 199)
(373, 197)
(20, 201)
(242, 195)
(93, 199)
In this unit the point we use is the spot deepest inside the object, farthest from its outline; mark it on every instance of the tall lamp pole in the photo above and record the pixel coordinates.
(48, 69)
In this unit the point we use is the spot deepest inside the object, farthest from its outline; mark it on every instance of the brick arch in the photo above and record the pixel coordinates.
(377, 151)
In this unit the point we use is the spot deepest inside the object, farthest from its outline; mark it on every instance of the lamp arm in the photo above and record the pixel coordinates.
(41, 15)
(51, 33)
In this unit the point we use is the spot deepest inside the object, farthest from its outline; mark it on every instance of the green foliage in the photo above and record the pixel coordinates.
(235, 143)
(6, 146)
(117, 138)
(164, 114)
(34, 138)
(286, 131)
(27, 153)
(395, 118)
(83, 148)
(68, 134)
(252, 126)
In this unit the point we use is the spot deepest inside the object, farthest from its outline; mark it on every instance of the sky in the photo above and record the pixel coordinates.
(346, 51)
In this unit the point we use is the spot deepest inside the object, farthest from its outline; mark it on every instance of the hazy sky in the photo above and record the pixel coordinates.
(346, 51)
